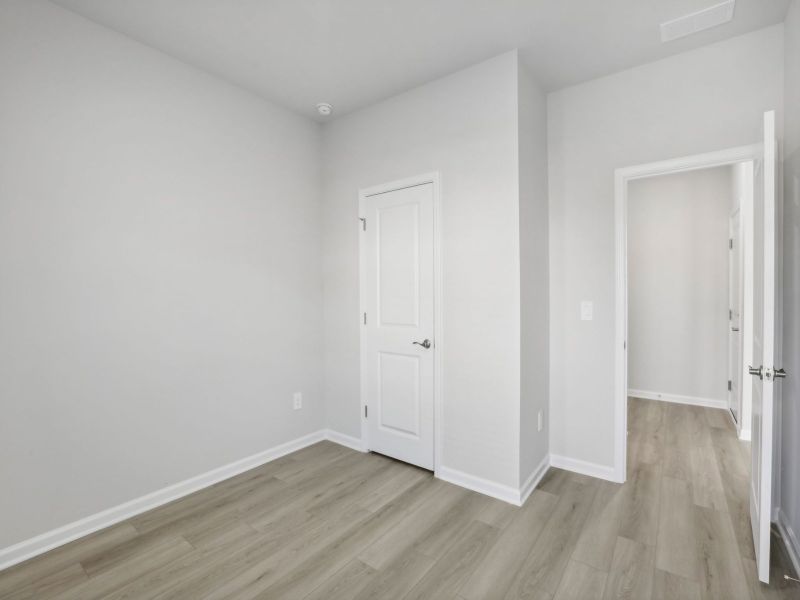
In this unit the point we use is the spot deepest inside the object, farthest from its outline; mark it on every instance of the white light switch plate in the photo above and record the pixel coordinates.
(587, 310)
(297, 400)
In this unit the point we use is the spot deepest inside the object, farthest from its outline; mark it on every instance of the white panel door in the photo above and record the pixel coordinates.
(763, 371)
(399, 307)
(735, 317)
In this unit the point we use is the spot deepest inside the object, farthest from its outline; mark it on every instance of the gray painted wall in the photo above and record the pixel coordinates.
(534, 275)
(161, 275)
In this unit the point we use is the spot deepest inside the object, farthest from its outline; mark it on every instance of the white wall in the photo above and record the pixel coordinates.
(678, 283)
(465, 127)
(790, 438)
(703, 100)
(160, 267)
(534, 275)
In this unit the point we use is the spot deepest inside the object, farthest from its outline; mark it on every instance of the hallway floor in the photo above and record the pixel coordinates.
(692, 475)
(327, 522)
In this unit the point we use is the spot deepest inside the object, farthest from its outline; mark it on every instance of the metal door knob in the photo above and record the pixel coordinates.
(425, 343)
(756, 371)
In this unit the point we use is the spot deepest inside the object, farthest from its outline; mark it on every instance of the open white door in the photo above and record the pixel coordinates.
(764, 339)
(398, 322)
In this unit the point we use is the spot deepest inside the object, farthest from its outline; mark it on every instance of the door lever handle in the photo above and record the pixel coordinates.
(425, 344)
(734, 329)
(779, 374)
(756, 371)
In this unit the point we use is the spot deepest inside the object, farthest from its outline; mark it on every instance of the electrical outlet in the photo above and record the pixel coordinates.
(298, 400)
(587, 310)
(541, 421)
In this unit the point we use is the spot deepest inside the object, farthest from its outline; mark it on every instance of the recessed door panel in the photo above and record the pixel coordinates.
(399, 387)
(398, 265)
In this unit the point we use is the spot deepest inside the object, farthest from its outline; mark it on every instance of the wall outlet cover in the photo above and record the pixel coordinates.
(587, 310)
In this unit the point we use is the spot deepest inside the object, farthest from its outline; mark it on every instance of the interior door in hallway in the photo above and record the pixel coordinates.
(398, 270)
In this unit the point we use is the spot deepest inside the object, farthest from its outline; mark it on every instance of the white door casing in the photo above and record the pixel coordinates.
(764, 340)
(622, 177)
(398, 321)
(735, 316)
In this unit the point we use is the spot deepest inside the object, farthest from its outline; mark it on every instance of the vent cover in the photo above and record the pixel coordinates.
(697, 21)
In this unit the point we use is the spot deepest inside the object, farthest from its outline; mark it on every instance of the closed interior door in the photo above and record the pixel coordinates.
(399, 323)
(735, 318)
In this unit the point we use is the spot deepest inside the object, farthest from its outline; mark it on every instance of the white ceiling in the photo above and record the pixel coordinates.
(352, 53)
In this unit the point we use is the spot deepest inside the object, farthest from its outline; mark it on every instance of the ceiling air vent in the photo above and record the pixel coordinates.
(697, 21)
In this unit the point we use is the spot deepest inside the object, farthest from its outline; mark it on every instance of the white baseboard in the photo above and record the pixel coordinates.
(790, 541)
(58, 537)
(534, 479)
(583, 467)
(344, 440)
(677, 399)
(506, 493)
(465, 480)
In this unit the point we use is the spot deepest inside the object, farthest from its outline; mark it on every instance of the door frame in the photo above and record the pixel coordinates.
(434, 179)
(622, 177)
(738, 235)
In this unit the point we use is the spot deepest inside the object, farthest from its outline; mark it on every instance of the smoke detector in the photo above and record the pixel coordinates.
(324, 109)
(698, 21)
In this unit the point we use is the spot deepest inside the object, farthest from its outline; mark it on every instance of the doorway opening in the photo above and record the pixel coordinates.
(739, 161)
(689, 282)
(755, 473)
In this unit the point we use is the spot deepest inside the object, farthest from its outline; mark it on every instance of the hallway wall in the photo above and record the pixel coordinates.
(678, 284)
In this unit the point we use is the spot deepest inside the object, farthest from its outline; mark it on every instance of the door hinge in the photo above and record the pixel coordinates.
(730, 243)
(730, 314)
(366, 411)
(365, 318)
(363, 223)
(730, 385)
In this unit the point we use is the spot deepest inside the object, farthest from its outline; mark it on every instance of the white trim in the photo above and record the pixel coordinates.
(789, 540)
(506, 493)
(736, 234)
(621, 178)
(533, 480)
(678, 399)
(747, 224)
(584, 467)
(344, 440)
(58, 537)
(438, 307)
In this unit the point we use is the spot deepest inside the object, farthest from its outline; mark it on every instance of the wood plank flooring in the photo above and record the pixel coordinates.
(329, 523)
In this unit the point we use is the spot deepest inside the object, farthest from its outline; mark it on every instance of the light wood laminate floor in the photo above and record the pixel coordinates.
(327, 522)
